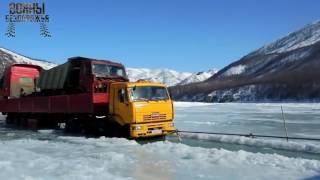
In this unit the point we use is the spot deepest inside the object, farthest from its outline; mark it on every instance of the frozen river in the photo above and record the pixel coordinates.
(50, 154)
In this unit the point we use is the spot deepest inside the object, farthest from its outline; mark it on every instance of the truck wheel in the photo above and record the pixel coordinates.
(113, 129)
(73, 126)
(9, 119)
(125, 131)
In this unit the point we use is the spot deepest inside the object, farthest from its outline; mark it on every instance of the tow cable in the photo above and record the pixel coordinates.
(250, 135)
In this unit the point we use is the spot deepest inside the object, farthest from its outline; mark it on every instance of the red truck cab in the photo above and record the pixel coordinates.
(19, 80)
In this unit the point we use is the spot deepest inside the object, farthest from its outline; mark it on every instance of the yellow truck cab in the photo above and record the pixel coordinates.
(145, 107)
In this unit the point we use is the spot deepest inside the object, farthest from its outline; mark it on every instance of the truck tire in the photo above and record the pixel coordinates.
(9, 119)
(73, 126)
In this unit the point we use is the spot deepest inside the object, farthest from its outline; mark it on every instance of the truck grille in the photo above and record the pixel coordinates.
(154, 117)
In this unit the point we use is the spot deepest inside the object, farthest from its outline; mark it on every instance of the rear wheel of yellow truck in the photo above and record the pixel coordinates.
(114, 129)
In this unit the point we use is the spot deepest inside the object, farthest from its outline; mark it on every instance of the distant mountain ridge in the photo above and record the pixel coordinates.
(198, 77)
(308, 35)
(166, 76)
(287, 69)
(13, 57)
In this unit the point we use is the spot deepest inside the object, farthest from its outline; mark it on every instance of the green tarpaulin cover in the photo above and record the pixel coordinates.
(54, 78)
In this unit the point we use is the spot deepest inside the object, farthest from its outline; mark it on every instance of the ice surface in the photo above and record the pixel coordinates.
(113, 158)
(46, 131)
(264, 118)
(301, 146)
(190, 104)
(46, 154)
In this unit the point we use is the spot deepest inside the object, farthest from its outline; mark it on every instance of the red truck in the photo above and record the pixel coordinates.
(87, 95)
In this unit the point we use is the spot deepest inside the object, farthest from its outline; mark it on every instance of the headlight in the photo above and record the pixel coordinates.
(136, 128)
(171, 124)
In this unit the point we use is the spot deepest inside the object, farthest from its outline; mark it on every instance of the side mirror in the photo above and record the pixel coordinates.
(170, 93)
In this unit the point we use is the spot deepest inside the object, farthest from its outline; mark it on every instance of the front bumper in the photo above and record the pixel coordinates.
(152, 129)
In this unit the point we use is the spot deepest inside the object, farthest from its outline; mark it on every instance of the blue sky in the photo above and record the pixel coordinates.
(185, 35)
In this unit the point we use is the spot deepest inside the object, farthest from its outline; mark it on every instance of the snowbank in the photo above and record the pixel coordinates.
(113, 158)
(270, 143)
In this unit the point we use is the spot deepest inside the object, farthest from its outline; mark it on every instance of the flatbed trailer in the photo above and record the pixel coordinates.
(94, 103)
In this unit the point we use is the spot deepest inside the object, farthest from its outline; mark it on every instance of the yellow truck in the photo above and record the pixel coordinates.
(145, 107)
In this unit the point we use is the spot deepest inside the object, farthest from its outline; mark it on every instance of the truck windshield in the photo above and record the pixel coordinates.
(148, 93)
(106, 70)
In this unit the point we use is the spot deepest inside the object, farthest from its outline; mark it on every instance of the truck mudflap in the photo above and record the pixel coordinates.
(152, 129)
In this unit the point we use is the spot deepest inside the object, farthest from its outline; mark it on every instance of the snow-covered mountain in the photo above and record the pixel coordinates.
(306, 36)
(8, 57)
(282, 55)
(13, 57)
(198, 77)
(285, 69)
(166, 76)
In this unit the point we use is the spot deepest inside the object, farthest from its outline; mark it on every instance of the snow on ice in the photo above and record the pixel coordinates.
(113, 158)
(268, 143)
(47, 154)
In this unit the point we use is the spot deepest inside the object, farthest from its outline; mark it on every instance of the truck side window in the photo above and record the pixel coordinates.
(86, 70)
(122, 95)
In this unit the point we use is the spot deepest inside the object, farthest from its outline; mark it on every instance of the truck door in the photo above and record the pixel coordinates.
(122, 108)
